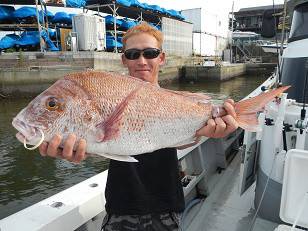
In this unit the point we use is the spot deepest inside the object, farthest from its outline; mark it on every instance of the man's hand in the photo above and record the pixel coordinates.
(220, 127)
(52, 149)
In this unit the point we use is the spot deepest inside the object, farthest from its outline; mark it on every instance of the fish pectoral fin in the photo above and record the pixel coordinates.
(186, 143)
(118, 157)
(110, 129)
(248, 122)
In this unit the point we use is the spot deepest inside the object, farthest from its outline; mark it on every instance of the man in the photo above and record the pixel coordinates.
(146, 195)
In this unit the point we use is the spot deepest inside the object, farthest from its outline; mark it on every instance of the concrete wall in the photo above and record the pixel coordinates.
(32, 81)
(268, 68)
(212, 73)
(32, 72)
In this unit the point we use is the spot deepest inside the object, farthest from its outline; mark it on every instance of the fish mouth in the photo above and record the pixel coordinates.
(26, 133)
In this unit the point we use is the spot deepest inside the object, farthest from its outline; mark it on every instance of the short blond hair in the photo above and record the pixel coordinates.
(144, 27)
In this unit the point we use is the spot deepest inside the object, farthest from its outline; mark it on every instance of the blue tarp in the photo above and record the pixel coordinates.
(124, 2)
(128, 24)
(119, 39)
(48, 14)
(29, 38)
(27, 11)
(135, 3)
(111, 43)
(6, 13)
(76, 3)
(52, 33)
(146, 6)
(51, 46)
(176, 14)
(109, 20)
(8, 41)
(157, 9)
(62, 17)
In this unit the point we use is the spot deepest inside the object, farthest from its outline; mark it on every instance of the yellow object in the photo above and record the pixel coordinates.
(65, 36)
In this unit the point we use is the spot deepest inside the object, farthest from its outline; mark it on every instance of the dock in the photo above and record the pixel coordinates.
(212, 73)
(191, 73)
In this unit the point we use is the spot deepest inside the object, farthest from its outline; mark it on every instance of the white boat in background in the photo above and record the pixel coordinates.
(244, 34)
(243, 182)
(271, 47)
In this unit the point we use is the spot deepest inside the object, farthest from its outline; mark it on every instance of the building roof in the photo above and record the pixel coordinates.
(261, 8)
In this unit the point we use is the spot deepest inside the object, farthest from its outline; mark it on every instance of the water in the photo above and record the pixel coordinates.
(26, 177)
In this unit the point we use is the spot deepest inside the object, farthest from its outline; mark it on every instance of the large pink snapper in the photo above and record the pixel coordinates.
(120, 116)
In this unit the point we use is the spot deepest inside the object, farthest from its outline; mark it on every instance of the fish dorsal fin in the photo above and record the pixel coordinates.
(193, 96)
(110, 128)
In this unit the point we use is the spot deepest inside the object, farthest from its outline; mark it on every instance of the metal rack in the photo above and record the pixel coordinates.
(39, 26)
(42, 4)
(136, 13)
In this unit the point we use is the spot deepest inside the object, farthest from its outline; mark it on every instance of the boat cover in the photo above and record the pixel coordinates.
(25, 12)
(119, 38)
(50, 45)
(127, 23)
(28, 11)
(48, 14)
(111, 43)
(6, 13)
(28, 38)
(31, 38)
(76, 3)
(145, 6)
(52, 33)
(126, 3)
(109, 20)
(135, 3)
(157, 9)
(8, 41)
(176, 14)
(62, 17)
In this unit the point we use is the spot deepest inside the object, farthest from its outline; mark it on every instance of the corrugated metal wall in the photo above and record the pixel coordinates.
(177, 37)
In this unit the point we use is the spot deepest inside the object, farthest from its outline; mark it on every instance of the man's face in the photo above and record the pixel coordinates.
(142, 68)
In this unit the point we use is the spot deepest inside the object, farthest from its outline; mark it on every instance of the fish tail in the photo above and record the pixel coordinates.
(246, 110)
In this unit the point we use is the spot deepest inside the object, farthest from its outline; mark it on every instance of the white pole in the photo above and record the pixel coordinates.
(232, 15)
(39, 25)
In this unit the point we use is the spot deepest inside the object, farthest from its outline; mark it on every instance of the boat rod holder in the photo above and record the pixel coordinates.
(301, 124)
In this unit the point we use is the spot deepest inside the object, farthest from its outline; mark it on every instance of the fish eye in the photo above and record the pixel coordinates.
(52, 104)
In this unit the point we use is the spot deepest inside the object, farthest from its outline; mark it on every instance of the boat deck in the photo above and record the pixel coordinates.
(224, 209)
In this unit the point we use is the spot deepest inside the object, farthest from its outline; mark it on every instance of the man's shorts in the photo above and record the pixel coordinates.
(149, 222)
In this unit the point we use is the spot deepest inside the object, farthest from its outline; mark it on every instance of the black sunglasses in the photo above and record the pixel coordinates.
(148, 53)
